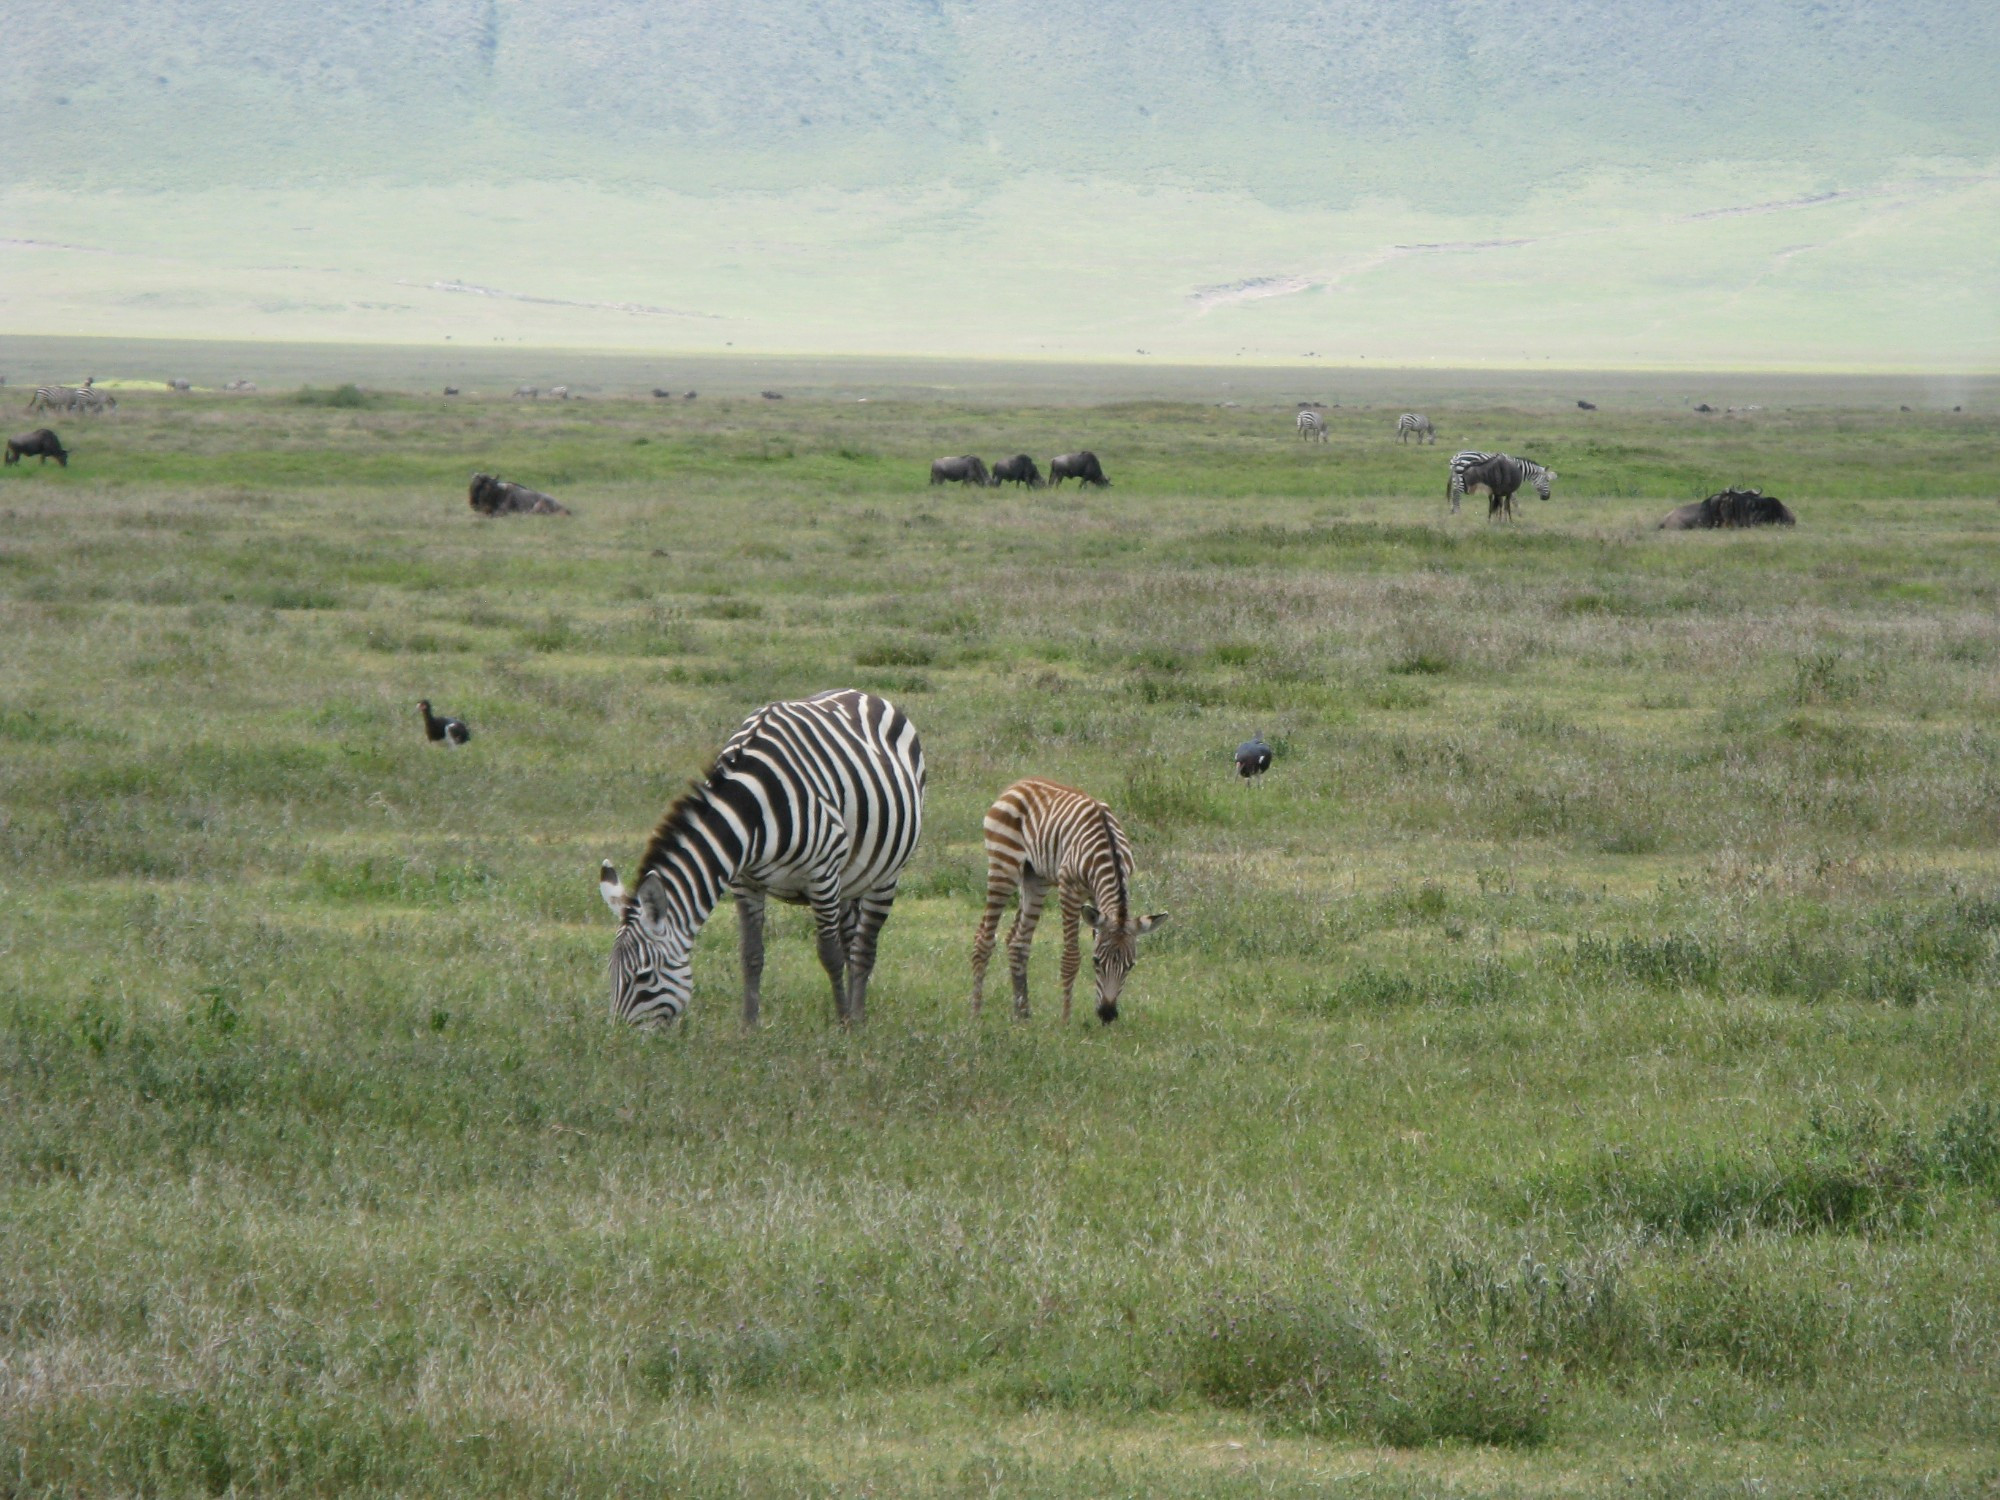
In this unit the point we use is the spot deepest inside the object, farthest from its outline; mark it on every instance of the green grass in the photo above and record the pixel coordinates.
(1571, 1070)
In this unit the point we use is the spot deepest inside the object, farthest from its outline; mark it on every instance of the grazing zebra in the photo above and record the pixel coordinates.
(559, 392)
(1499, 475)
(182, 387)
(1040, 834)
(1417, 422)
(818, 802)
(56, 398)
(1312, 425)
(531, 392)
(94, 401)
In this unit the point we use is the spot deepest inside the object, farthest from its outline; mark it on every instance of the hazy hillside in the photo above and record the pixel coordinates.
(1494, 118)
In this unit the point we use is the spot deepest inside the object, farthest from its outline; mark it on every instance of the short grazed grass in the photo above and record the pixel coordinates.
(1572, 1069)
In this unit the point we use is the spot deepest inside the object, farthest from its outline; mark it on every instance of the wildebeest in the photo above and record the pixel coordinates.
(772, 395)
(1500, 475)
(451, 390)
(530, 392)
(1730, 509)
(964, 469)
(42, 444)
(660, 395)
(1082, 467)
(182, 386)
(1586, 406)
(499, 497)
(1020, 469)
(1705, 409)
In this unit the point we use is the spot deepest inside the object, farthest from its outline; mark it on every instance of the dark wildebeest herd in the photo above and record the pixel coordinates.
(965, 468)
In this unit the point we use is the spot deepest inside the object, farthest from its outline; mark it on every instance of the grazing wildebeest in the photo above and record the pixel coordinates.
(530, 392)
(1586, 406)
(1020, 469)
(499, 497)
(42, 444)
(183, 386)
(451, 390)
(1729, 509)
(660, 395)
(964, 469)
(1082, 467)
(1500, 476)
(772, 395)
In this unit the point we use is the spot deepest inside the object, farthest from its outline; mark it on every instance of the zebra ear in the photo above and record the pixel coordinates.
(652, 899)
(1147, 924)
(610, 889)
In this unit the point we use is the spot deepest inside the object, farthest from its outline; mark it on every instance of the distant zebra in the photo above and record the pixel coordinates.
(559, 392)
(1040, 834)
(241, 387)
(1312, 425)
(95, 402)
(531, 392)
(1417, 422)
(1499, 475)
(818, 802)
(56, 398)
(182, 387)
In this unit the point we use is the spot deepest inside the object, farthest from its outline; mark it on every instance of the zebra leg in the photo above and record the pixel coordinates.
(1033, 891)
(870, 912)
(1000, 885)
(750, 942)
(828, 918)
(1072, 957)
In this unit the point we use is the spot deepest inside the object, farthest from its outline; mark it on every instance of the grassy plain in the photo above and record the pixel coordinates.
(1572, 1071)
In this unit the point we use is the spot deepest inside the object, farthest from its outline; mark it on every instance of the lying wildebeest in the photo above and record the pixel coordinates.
(1020, 469)
(1082, 467)
(964, 469)
(660, 395)
(451, 390)
(773, 395)
(1586, 406)
(1730, 508)
(42, 444)
(499, 497)
(1705, 409)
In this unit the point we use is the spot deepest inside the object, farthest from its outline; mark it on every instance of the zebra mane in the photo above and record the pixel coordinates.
(673, 824)
(1124, 912)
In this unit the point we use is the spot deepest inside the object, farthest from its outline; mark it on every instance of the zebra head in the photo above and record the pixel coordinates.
(1544, 478)
(651, 976)
(1114, 949)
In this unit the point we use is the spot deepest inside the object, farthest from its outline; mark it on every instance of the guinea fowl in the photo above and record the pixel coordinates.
(444, 729)
(1253, 757)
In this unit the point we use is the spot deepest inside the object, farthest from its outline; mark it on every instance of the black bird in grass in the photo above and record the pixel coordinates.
(1253, 757)
(445, 730)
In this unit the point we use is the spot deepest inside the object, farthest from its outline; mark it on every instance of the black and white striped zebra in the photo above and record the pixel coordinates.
(1415, 422)
(1500, 475)
(818, 802)
(56, 398)
(1312, 426)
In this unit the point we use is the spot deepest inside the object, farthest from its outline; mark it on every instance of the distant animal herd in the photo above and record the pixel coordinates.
(1500, 476)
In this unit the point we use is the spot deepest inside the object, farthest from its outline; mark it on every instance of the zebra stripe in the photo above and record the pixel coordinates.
(818, 802)
(1312, 425)
(1499, 474)
(1415, 422)
(57, 398)
(1040, 834)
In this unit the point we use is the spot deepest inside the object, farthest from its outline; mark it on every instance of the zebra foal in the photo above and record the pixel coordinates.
(1040, 834)
(1312, 426)
(818, 802)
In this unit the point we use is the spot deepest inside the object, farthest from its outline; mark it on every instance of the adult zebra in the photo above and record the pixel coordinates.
(1312, 426)
(1499, 475)
(1041, 834)
(1415, 422)
(818, 802)
(56, 398)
